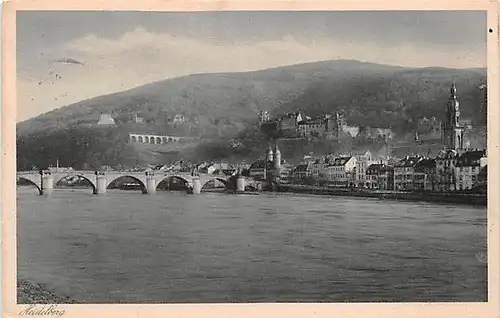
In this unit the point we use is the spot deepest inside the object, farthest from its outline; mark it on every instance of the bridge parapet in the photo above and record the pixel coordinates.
(44, 180)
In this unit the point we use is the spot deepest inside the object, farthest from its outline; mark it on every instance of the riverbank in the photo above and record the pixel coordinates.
(458, 198)
(31, 293)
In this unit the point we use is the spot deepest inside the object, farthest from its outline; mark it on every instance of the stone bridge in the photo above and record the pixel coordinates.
(100, 180)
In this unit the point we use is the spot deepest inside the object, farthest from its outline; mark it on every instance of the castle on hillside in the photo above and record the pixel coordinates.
(325, 126)
(297, 125)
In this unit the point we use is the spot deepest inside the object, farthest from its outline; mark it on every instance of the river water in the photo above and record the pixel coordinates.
(126, 247)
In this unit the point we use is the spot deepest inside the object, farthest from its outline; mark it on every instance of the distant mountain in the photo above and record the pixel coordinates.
(225, 105)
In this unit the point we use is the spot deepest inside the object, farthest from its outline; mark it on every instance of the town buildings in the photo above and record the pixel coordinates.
(482, 180)
(318, 168)
(467, 169)
(301, 172)
(363, 161)
(404, 171)
(138, 120)
(454, 167)
(380, 176)
(341, 172)
(106, 120)
(264, 116)
(179, 119)
(271, 167)
(424, 175)
(219, 168)
(451, 168)
(445, 170)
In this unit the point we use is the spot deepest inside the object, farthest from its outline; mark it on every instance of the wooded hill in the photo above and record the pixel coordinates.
(224, 106)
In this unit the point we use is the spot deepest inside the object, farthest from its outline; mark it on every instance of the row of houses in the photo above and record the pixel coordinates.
(449, 171)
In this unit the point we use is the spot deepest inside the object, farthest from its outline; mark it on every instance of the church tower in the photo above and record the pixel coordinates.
(453, 133)
(269, 155)
(277, 158)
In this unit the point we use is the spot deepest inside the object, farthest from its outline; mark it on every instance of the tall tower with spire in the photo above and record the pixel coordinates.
(269, 155)
(453, 133)
(277, 159)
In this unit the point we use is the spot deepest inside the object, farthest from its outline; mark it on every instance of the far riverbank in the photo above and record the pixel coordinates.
(478, 199)
(458, 198)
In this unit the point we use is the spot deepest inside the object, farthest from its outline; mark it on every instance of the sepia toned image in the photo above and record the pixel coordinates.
(251, 157)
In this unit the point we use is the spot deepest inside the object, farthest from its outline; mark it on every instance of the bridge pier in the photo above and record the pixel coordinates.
(101, 182)
(196, 185)
(150, 183)
(240, 184)
(47, 183)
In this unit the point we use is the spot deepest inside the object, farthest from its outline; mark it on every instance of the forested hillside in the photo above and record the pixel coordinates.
(222, 107)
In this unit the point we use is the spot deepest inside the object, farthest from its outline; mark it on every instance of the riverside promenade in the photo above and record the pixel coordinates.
(439, 197)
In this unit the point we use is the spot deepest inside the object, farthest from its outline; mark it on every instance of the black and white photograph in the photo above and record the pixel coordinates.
(207, 157)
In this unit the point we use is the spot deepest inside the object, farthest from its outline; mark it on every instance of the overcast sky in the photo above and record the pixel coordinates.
(122, 50)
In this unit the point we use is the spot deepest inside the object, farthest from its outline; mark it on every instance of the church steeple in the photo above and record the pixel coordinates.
(277, 157)
(452, 132)
(453, 89)
(270, 154)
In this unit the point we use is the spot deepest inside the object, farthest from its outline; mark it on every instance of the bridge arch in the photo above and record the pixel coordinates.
(32, 183)
(59, 178)
(169, 179)
(221, 180)
(139, 181)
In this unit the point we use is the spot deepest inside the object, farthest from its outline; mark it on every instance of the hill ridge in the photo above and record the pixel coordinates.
(223, 106)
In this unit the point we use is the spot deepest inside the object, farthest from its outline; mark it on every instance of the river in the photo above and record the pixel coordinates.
(126, 247)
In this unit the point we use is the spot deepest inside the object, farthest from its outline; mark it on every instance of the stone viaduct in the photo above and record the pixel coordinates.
(100, 180)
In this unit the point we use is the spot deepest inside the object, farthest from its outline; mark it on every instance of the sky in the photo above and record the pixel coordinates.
(65, 57)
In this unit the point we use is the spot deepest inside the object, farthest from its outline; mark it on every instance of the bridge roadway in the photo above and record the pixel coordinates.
(100, 180)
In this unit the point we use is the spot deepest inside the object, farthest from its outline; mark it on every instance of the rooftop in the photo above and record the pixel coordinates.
(302, 167)
(470, 158)
(447, 154)
(259, 164)
(378, 168)
(341, 161)
(425, 164)
(313, 121)
(408, 161)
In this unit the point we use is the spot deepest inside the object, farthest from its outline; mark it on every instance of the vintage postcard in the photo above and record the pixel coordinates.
(243, 158)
